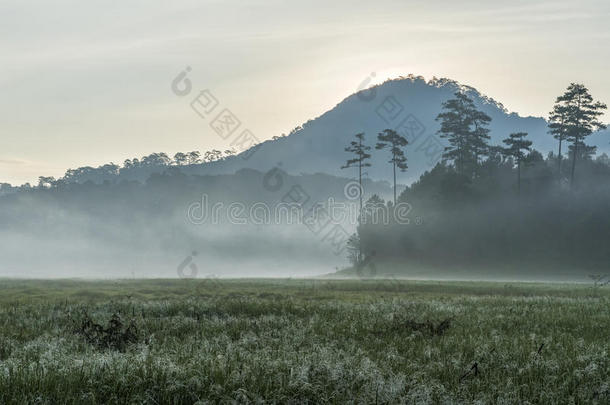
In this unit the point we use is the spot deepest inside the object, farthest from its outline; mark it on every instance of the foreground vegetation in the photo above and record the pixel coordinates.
(244, 341)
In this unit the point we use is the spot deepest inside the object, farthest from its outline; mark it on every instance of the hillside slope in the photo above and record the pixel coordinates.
(409, 105)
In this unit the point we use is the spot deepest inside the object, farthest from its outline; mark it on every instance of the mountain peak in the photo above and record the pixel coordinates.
(439, 83)
(409, 104)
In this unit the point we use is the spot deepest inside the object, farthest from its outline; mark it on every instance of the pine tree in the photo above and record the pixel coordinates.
(361, 155)
(480, 134)
(581, 118)
(557, 128)
(517, 145)
(465, 128)
(392, 140)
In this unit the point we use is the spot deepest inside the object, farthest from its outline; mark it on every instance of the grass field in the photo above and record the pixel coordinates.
(303, 341)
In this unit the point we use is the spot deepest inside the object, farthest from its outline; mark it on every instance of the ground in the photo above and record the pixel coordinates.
(296, 341)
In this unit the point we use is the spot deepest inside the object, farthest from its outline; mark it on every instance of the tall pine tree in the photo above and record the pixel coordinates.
(580, 120)
(465, 128)
(557, 128)
(390, 139)
(361, 154)
(517, 145)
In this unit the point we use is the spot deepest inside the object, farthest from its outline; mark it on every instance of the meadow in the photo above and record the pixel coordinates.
(303, 341)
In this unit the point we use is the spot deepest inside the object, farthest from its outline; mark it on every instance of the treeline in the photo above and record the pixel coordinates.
(495, 206)
(110, 172)
(126, 211)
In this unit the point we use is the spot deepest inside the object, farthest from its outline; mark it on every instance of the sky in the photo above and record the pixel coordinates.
(87, 83)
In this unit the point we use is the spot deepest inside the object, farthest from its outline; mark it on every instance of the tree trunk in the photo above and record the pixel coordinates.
(576, 140)
(559, 158)
(519, 176)
(394, 168)
(561, 134)
(394, 183)
(574, 162)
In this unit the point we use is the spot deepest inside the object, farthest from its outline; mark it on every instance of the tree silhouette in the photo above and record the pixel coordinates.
(557, 128)
(46, 181)
(465, 128)
(194, 157)
(156, 159)
(479, 137)
(228, 153)
(180, 158)
(517, 145)
(212, 155)
(392, 140)
(361, 155)
(581, 118)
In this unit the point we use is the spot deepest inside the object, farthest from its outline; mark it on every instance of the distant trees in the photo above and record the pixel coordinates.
(578, 117)
(194, 157)
(295, 130)
(129, 163)
(46, 181)
(180, 159)
(110, 171)
(390, 139)
(212, 155)
(517, 145)
(465, 128)
(101, 173)
(155, 159)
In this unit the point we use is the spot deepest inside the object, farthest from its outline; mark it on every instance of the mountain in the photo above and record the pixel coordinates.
(409, 105)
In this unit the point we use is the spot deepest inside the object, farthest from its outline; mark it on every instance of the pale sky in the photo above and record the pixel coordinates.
(88, 82)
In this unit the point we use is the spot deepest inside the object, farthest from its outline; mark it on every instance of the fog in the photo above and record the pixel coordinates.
(177, 226)
(273, 224)
(488, 229)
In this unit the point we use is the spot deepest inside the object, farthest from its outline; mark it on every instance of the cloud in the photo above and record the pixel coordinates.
(13, 162)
